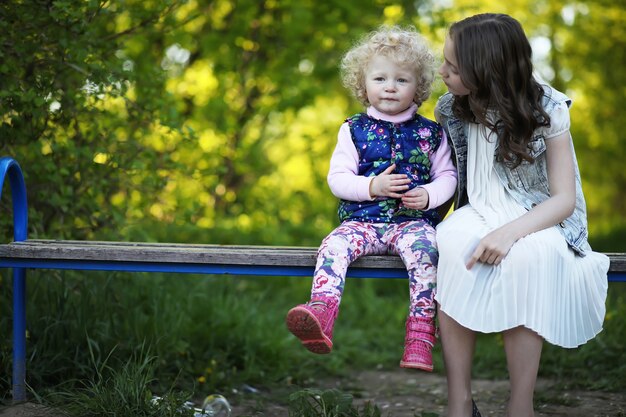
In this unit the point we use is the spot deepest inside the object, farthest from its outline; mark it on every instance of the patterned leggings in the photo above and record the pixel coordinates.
(414, 241)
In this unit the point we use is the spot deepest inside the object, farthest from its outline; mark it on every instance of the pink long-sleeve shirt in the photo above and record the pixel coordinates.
(345, 183)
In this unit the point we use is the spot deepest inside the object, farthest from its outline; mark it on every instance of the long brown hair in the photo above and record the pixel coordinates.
(494, 62)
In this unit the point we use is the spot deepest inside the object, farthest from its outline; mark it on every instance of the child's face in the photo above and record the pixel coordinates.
(449, 70)
(390, 87)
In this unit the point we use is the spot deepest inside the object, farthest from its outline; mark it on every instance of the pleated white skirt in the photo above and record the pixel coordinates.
(541, 284)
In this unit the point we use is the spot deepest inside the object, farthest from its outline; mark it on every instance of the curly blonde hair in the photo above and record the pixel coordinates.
(404, 46)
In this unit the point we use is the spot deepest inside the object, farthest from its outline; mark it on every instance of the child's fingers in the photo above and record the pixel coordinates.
(400, 180)
(390, 169)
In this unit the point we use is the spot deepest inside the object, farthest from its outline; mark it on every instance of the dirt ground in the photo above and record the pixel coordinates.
(406, 393)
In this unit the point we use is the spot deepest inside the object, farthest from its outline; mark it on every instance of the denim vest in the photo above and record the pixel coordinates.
(379, 144)
(528, 182)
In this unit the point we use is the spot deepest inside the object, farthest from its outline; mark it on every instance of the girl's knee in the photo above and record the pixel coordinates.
(338, 246)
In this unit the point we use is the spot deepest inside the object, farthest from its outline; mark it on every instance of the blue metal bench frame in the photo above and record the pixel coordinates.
(10, 167)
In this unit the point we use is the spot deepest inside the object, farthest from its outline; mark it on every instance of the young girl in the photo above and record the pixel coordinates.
(513, 256)
(391, 169)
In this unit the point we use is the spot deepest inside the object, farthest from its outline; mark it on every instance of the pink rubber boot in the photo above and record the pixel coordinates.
(313, 323)
(418, 344)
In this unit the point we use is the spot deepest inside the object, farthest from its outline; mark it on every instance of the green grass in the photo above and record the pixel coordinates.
(327, 403)
(119, 389)
(101, 340)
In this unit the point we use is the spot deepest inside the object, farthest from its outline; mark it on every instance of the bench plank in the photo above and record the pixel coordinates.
(179, 253)
(204, 254)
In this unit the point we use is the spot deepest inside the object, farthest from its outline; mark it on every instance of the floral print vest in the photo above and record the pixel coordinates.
(379, 144)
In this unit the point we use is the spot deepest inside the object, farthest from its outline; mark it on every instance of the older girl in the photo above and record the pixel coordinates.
(514, 256)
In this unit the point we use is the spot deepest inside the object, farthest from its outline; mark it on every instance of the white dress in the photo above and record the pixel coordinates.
(540, 284)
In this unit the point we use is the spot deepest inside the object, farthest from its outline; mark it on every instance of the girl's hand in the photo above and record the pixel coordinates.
(387, 184)
(416, 199)
(492, 248)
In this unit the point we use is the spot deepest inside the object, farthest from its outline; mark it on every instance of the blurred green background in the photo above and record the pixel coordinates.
(213, 122)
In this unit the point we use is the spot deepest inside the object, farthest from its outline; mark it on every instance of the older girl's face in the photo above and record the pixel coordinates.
(449, 70)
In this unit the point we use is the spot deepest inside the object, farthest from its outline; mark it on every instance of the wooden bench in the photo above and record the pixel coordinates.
(23, 254)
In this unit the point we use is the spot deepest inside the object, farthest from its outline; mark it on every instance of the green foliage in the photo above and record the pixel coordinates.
(177, 112)
(220, 116)
(213, 121)
(72, 115)
(582, 43)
